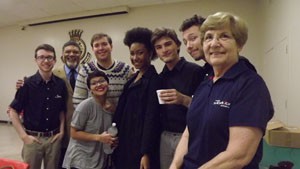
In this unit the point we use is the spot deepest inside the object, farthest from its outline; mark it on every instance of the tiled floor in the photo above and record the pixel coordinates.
(10, 143)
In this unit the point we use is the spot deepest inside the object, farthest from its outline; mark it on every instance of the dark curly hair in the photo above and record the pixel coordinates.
(140, 35)
(189, 22)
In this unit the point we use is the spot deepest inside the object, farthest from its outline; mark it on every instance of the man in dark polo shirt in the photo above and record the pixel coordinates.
(43, 100)
(181, 79)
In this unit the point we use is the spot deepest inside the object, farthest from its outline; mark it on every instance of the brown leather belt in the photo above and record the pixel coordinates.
(42, 134)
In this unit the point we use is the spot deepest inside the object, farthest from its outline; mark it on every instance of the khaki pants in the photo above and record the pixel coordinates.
(35, 153)
(168, 144)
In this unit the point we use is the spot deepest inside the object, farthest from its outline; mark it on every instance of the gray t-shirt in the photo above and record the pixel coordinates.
(89, 117)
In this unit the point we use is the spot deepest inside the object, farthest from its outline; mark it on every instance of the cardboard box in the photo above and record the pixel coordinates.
(277, 134)
(274, 124)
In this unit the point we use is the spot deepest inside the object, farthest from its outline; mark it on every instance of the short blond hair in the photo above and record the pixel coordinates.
(221, 20)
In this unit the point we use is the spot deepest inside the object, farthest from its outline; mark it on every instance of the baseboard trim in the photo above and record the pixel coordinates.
(5, 121)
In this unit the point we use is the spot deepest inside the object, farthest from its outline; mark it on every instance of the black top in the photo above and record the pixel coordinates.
(42, 102)
(137, 118)
(185, 78)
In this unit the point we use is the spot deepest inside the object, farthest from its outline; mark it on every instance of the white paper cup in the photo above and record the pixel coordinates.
(159, 99)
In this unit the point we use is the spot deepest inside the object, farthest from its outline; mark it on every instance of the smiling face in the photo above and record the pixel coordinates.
(139, 56)
(98, 86)
(71, 56)
(45, 60)
(102, 49)
(220, 48)
(167, 50)
(192, 41)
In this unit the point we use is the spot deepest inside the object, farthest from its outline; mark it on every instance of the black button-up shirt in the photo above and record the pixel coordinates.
(185, 78)
(41, 102)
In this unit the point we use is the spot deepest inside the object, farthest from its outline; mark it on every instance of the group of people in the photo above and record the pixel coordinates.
(213, 116)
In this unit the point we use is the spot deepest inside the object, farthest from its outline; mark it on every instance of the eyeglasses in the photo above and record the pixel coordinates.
(99, 82)
(43, 58)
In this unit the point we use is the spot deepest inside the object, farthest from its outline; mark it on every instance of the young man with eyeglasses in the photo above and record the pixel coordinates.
(69, 70)
(43, 100)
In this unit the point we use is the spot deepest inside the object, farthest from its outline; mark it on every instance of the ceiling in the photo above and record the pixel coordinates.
(18, 12)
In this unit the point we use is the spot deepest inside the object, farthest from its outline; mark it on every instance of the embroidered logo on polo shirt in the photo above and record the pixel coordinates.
(57, 96)
(222, 103)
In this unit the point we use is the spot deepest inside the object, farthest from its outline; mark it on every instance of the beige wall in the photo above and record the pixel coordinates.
(281, 49)
(17, 46)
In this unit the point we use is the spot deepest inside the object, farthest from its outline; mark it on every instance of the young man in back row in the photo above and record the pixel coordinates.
(68, 72)
(179, 77)
(118, 72)
(190, 29)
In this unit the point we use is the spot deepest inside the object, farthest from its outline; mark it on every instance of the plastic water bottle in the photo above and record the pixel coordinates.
(112, 130)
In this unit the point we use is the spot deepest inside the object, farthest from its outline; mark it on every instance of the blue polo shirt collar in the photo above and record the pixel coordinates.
(235, 70)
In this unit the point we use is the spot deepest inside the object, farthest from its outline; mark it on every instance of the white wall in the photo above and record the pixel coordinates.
(17, 46)
(282, 39)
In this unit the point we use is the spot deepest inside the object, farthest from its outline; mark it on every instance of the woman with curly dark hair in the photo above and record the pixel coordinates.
(137, 114)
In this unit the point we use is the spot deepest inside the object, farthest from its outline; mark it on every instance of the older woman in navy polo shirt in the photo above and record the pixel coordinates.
(230, 109)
